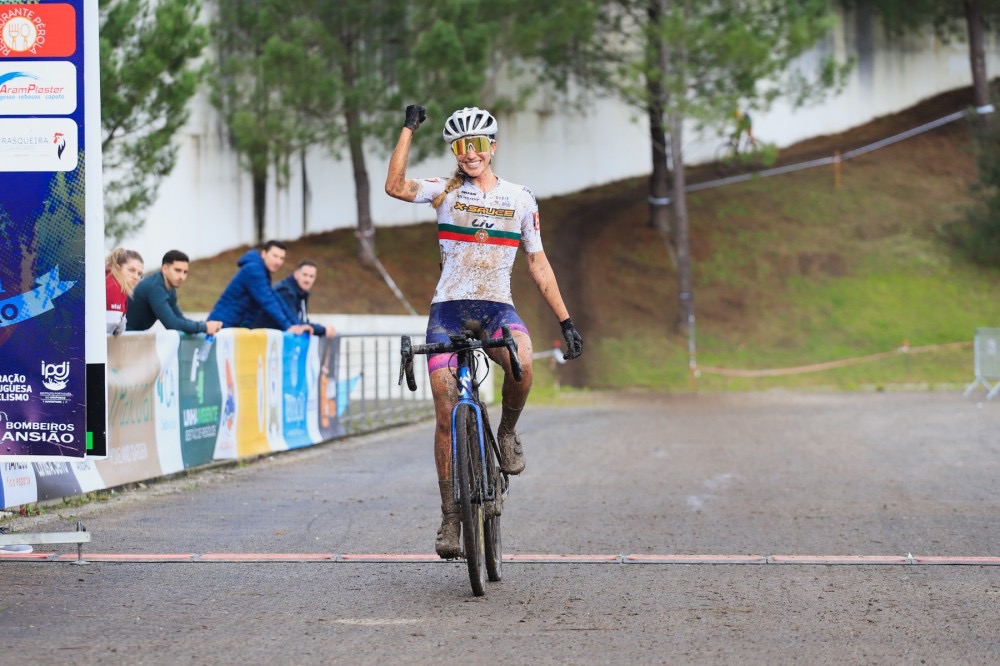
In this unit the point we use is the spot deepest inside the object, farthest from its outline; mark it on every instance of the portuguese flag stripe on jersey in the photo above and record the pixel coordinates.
(478, 235)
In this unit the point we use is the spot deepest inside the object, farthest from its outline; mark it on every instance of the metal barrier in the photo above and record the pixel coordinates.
(377, 400)
(987, 362)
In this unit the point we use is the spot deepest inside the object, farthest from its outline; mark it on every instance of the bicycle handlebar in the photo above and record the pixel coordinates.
(465, 342)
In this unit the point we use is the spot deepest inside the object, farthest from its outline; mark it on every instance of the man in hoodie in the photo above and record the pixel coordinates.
(294, 292)
(250, 292)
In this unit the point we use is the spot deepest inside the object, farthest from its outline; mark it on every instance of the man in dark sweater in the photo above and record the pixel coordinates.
(155, 297)
(294, 293)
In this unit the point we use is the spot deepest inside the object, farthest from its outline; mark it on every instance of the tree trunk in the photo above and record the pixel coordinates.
(977, 57)
(685, 282)
(362, 189)
(659, 187)
(306, 192)
(259, 205)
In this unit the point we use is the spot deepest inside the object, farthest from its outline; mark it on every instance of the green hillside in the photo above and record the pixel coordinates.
(789, 271)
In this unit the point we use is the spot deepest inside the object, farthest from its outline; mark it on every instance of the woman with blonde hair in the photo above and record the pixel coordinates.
(482, 222)
(122, 271)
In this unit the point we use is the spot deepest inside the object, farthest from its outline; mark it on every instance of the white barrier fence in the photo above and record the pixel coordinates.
(986, 362)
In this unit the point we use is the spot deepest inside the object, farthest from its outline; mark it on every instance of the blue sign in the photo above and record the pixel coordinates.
(43, 364)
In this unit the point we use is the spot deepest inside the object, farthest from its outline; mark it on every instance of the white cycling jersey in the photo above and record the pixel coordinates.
(478, 234)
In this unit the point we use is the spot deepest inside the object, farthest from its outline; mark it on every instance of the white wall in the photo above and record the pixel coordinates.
(205, 206)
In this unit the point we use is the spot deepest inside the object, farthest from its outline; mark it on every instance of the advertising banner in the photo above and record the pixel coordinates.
(225, 359)
(19, 485)
(316, 345)
(295, 390)
(55, 480)
(251, 386)
(200, 399)
(328, 392)
(134, 372)
(43, 371)
(167, 403)
(273, 377)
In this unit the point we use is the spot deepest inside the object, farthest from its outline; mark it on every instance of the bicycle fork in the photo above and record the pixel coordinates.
(465, 393)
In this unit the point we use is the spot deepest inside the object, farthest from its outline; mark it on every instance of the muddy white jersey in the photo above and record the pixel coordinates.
(478, 234)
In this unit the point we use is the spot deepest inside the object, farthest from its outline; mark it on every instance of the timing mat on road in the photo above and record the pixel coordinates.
(513, 558)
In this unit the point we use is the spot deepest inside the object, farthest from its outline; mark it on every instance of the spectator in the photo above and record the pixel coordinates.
(122, 272)
(294, 293)
(156, 298)
(250, 292)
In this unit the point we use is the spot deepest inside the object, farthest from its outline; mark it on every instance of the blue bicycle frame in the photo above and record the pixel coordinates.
(465, 397)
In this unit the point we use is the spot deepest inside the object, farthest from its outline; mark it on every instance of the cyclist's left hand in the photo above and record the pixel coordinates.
(574, 342)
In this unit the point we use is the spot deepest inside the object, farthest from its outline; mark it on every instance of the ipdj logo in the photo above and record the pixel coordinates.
(55, 376)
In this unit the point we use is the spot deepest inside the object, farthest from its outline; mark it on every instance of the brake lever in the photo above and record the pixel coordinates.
(406, 363)
(515, 362)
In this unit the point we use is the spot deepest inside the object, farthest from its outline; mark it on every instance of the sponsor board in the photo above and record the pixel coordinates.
(295, 391)
(38, 144)
(200, 399)
(132, 447)
(251, 386)
(34, 30)
(37, 88)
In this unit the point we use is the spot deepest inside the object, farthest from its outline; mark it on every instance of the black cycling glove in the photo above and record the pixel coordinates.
(574, 343)
(415, 114)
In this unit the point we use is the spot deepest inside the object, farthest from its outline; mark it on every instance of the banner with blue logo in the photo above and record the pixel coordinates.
(43, 371)
(295, 392)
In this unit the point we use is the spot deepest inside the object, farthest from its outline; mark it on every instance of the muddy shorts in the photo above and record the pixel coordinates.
(449, 317)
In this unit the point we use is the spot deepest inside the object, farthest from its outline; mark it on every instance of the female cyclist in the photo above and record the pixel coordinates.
(482, 221)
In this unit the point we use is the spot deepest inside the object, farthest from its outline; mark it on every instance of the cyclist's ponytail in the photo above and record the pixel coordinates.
(453, 184)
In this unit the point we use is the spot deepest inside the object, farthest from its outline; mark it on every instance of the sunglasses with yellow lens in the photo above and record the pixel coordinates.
(476, 144)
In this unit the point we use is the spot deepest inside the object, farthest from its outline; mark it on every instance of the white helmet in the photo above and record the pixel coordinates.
(469, 121)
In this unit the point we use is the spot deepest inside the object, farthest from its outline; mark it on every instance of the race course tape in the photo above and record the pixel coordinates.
(536, 558)
(843, 363)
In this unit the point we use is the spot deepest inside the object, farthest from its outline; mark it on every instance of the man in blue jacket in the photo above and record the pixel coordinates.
(155, 297)
(249, 292)
(294, 292)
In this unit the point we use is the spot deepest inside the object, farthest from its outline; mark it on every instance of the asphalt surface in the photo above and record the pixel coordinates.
(638, 493)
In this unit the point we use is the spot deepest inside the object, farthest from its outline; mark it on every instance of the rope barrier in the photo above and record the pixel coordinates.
(825, 161)
(818, 367)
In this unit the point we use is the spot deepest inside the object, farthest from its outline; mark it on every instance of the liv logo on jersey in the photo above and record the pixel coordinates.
(55, 376)
(35, 302)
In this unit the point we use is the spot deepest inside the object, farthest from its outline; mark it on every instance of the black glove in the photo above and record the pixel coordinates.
(574, 343)
(415, 114)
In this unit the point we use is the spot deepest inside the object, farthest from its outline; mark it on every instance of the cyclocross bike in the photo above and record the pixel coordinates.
(479, 485)
(735, 154)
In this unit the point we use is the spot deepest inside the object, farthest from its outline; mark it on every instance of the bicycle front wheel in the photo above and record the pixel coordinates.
(494, 544)
(726, 158)
(471, 493)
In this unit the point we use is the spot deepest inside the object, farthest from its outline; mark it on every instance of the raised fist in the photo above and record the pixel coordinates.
(415, 114)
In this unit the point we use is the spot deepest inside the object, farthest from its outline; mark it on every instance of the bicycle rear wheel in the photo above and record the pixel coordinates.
(470, 495)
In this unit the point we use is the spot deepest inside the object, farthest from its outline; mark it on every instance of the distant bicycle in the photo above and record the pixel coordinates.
(736, 154)
(479, 486)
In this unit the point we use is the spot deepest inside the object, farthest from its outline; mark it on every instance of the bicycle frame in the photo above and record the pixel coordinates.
(468, 395)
